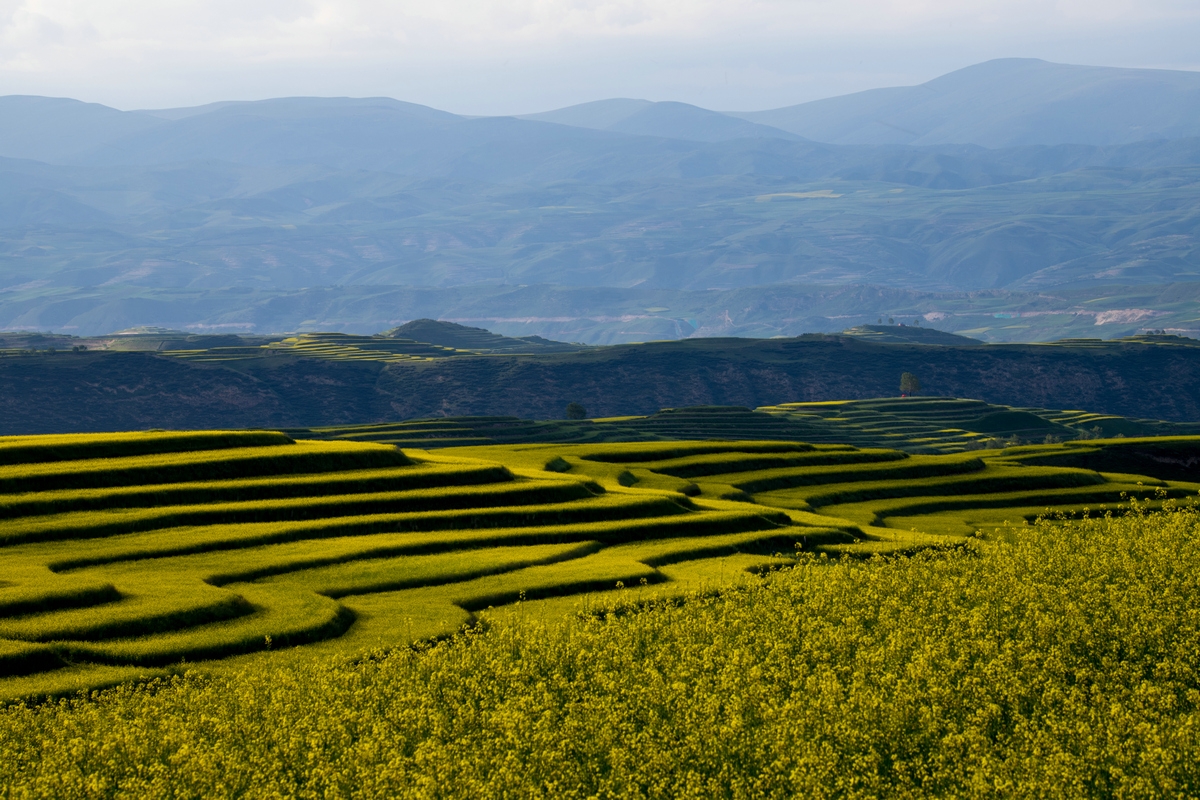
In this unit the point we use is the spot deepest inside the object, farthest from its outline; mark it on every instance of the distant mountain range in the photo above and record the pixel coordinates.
(667, 119)
(1008, 102)
(1051, 183)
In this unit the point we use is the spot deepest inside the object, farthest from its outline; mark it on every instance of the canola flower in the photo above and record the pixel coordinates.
(1063, 662)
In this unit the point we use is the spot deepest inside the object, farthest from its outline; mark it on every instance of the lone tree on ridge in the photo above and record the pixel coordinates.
(576, 411)
(909, 384)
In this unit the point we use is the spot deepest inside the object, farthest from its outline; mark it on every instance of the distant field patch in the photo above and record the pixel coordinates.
(819, 193)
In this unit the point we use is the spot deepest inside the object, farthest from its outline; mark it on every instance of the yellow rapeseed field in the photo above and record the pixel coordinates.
(1061, 660)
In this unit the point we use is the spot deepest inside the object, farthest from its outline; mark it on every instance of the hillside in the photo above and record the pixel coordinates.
(618, 221)
(331, 379)
(1006, 103)
(479, 340)
(928, 425)
(913, 334)
(665, 119)
(127, 554)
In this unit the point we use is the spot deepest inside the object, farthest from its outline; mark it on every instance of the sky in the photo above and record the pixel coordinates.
(522, 56)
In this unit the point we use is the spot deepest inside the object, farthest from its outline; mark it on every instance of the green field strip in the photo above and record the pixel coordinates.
(369, 576)
(50, 592)
(1020, 518)
(24, 658)
(78, 525)
(714, 574)
(235, 556)
(405, 431)
(809, 519)
(1145, 480)
(162, 603)
(785, 540)
(246, 462)
(682, 578)
(645, 479)
(939, 525)
(1101, 493)
(1166, 457)
(396, 619)
(639, 452)
(343, 483)
(71, 555)
(728, 463)
(282, 616)
(991, 479)
(464, 441)
(893, 542)
(600, 570)
(388, 620)
(44, 448)
(906, 469)
(70, 681)
(348, 431)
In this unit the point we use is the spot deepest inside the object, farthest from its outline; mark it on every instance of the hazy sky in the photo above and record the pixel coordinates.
(515, 56)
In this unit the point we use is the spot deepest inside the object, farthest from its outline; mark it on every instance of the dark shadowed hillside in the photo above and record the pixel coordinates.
(117, 391)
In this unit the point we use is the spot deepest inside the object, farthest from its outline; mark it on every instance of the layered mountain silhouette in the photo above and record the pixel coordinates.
(1014, 175)
(666, 119)
(1006, 103)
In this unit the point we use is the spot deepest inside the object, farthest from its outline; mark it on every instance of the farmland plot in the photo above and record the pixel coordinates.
(127, 555)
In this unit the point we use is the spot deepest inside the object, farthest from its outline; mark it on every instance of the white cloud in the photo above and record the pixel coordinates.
(516, 55)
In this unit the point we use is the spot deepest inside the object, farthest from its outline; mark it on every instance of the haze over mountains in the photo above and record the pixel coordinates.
(1007, 103)
(1043, 184)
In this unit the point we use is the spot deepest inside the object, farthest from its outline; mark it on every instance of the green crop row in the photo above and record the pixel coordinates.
(367, 576)
(905, 469)
(289, 546)
(92, 524)
(23, 658)
(1113, 493)
(1167, 457)
(992, 479)
(637, 452)
(254, 631)
(731, 462)
(661, 552)
(66, 555)
(246, 462)
(162, 603)
(283, 617)
(45, 593)
(269, 488)
(75, 446)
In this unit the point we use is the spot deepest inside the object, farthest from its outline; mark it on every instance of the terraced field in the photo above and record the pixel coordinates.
(124, 555)
(328, 346)
(914, 424)
(392, 347)
(947, 425)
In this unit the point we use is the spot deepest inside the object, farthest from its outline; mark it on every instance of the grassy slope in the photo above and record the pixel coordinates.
(63, 392)
(387, 553)
(1060, 665)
